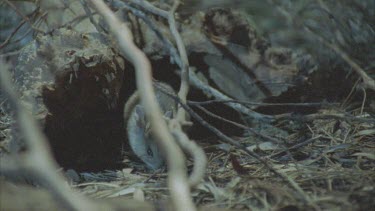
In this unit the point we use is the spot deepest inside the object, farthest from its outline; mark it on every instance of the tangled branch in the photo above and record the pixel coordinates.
(177, 179)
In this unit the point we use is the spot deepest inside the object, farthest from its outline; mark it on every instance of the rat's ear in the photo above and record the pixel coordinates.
(140, 116)
(169, 114)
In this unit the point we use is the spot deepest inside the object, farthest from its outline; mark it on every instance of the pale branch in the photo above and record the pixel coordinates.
(198, 155)
(200, 164)
(190, 147)
(194, 150)
(184, 87)
(228, 140)
(37, 160)
(184, 62)
(200, 160)
(166, 43)
(193, 79)
(224, 138)
(177, 178)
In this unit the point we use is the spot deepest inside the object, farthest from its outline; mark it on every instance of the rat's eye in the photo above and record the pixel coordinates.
(149, 152)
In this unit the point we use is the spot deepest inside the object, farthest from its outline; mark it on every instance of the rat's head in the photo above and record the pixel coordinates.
(141, 141)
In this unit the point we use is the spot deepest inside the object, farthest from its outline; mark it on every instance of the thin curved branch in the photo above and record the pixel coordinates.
(193, 79)
(37, 161)
(184, 87)
(226, 139)
(190, 147)
(181, 58)
(177, 179)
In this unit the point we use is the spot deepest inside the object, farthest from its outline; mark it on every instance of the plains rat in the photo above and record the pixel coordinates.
(139, 128)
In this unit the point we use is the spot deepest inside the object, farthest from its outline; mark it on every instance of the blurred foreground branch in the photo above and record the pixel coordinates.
(177, 179)
(37, 160)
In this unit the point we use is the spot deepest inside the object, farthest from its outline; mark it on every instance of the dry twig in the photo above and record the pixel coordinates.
(37, 160)
(177, 179)
(182, 60)
(193, 79)
(226, 139)
(2, 45)
(25, 18)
